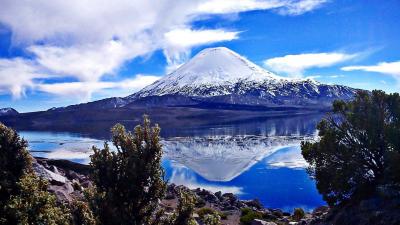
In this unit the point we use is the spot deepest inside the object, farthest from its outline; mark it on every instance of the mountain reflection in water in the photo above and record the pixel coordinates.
(258, 158)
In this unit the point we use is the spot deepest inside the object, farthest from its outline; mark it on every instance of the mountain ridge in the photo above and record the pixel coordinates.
(216, 81)
(220, 76)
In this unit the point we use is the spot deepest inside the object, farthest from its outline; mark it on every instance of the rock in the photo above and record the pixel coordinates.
(278, 213)
(54, 169)
(218, 194)
(284, 220)
(73, 175)
(63, 193)
(255, 203)
(208, 196)
(261, 222)
(87, 184)
(52, 177)
(320, 211)
(229, 199)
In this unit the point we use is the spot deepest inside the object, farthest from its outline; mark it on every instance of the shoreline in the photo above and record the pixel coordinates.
(68, 179)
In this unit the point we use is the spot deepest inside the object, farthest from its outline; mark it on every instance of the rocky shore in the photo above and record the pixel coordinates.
(68, 180)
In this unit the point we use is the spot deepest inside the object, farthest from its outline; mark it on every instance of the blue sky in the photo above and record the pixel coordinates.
(55, 53)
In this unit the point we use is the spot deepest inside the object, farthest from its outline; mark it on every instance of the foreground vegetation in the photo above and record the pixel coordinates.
(356, 157)
(359, 148)
(128, 184)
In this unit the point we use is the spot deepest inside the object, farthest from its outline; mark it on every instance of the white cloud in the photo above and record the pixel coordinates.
(86, 63)
(295, 8)
(336, 76)
(295, 65)
(179, 41)
(187, 38)
(390, 68)
(84, 90)
(17, 75)
(285, 7)
(89, 39)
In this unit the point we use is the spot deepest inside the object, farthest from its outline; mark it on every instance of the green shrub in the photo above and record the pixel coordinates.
(223, 215)
(249, 215)
(129, 181)
(358, 149)
(204, 211)
(212, 219)
(82, 214)
(15, 161)
(298, 214)
(213, 216)
(183, 215)
(35, 205)
(24, 198)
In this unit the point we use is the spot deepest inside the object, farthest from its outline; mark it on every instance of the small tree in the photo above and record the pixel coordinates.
(183, 214)
(357, 147)
(129, 181)
(35, 205)
(23, 196)
(14, 163)
(298, 214)
(81, 213)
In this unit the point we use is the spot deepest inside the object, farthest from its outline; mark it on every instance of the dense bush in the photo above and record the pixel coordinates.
(129, 181)
(24, 198)
(14, 163)
(81, 213)
(209, 211)
(35, 205)
(298, 214)
(249, 215)
(212, 219)
(359, 147)
(185, 209)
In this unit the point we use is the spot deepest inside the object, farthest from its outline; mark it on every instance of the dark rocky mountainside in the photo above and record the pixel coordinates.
(8, 112)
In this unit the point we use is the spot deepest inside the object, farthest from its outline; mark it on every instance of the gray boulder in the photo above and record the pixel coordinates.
(46, 174)
(261, 222)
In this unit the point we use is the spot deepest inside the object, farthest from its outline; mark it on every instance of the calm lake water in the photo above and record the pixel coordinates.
(258, 158)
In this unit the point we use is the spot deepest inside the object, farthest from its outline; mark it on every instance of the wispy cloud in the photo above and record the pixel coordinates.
(17, 75)
(295, 8)
(285, 7)
(178, 43)
(83, 90)
(295, 65)
(389, 68)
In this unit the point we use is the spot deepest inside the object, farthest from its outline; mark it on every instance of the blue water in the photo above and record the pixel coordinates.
(274, 173)
(276, 187)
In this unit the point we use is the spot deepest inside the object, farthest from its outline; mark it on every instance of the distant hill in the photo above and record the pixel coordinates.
(8, 112)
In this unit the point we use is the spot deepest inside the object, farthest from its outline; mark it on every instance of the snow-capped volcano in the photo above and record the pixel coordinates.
(211, 67)
(218, 78)
(221, 76)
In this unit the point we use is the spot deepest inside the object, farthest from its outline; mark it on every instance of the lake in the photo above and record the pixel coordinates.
(259, 158)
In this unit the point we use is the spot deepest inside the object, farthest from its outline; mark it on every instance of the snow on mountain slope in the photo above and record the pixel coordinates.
(212, 67)
(222, 158)
(219, 75)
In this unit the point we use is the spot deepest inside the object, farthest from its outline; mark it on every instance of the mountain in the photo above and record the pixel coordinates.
(8, 112)
(216, 84)
(220, 76)
(222, 158)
